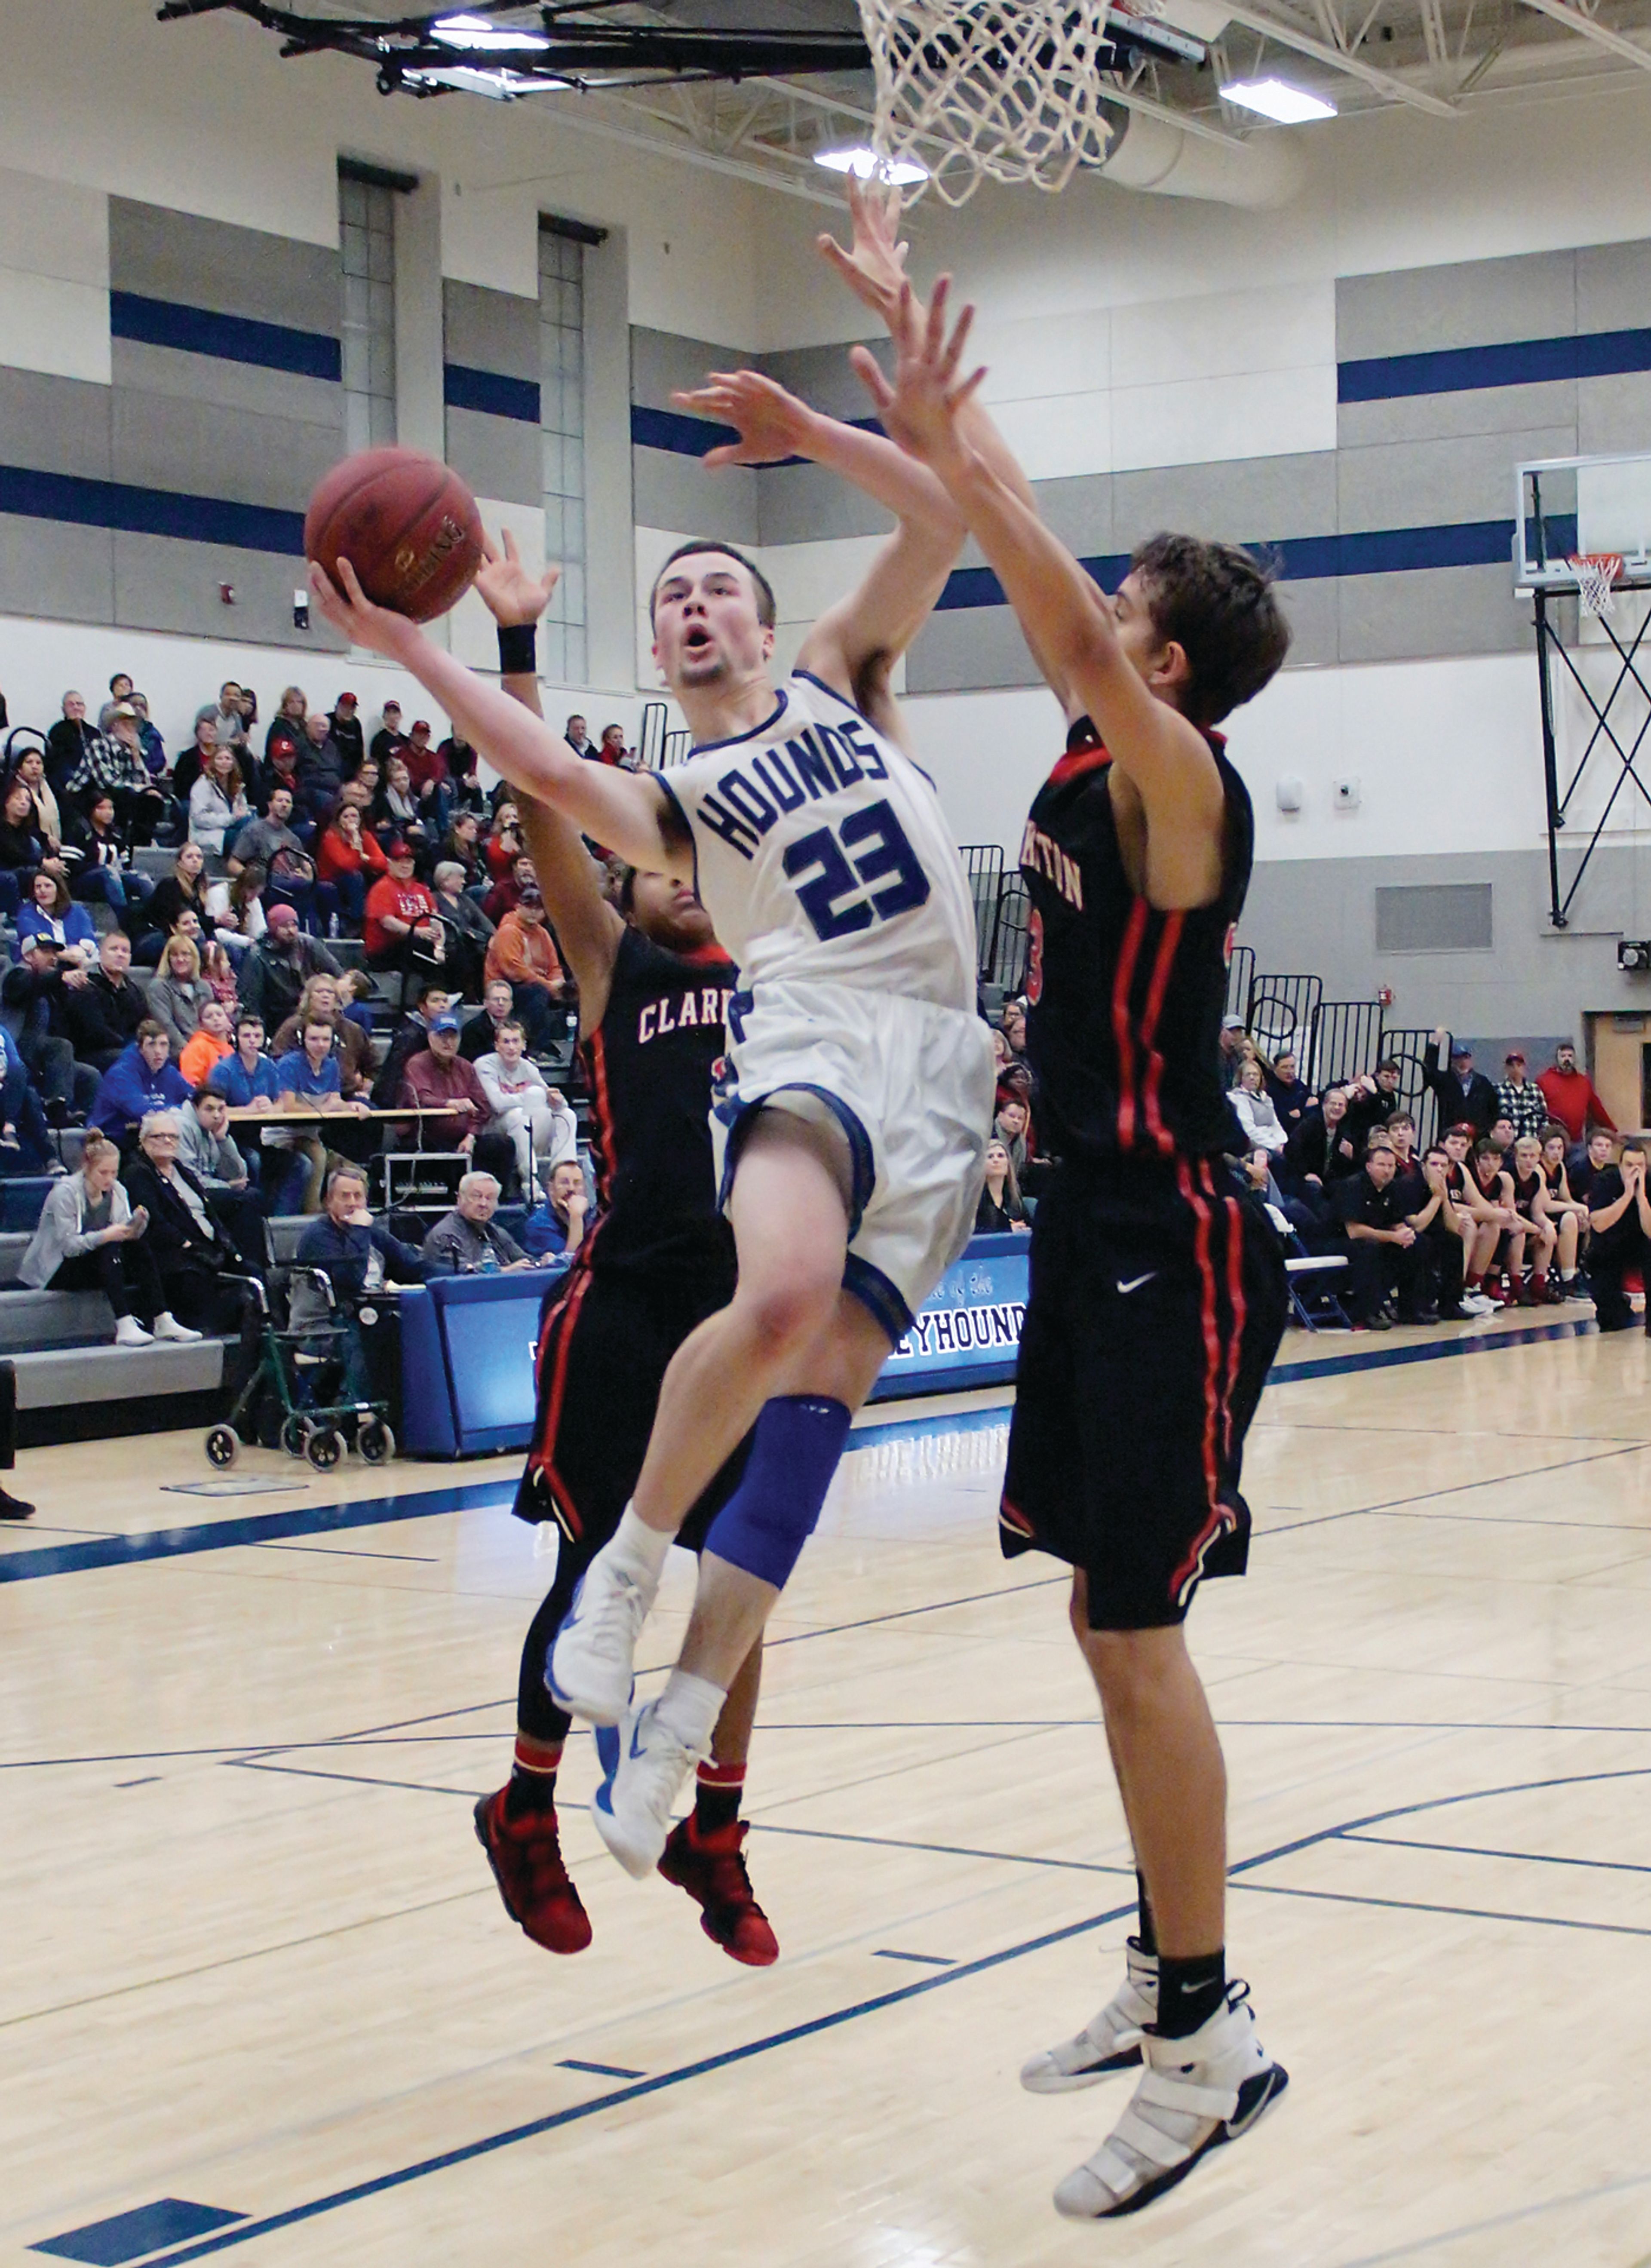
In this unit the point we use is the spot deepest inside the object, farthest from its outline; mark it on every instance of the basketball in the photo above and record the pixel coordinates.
(407, 524)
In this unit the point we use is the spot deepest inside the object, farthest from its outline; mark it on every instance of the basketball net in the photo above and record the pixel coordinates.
(1012, 89)
(1596, 573)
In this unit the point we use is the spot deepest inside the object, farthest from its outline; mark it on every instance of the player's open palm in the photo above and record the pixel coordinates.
(770, 422)
(511, 594)
(875, 267)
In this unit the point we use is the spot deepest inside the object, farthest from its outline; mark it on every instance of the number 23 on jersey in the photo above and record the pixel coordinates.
(835, 872)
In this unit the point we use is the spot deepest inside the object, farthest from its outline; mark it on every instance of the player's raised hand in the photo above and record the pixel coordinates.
(349, 610)
(771, 424)
(920, 408)
(511, 595)
(875, 267)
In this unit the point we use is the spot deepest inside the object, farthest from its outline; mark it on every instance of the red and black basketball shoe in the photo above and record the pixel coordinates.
(526, 1856)
(711, 1867)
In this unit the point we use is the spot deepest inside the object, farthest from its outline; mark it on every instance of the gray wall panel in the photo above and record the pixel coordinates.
(660, 361)
(1441, 417)
(499, 456)
(54, 425)
(1613, 287)
(1472, 303)
(197, 448)
(231, 385)
(677, 492)
(805, 504)
(1313, 610)
(1445, 610)
(1079, 511)
(968, 651)
(164, 584)
(491, 330)
(233, 271)
(49, 568)
(823, 377)
(1614, 413)
(1425, 484)
(1243, 501)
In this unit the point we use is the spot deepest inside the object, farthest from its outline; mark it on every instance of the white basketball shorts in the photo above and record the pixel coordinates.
(913, 1087)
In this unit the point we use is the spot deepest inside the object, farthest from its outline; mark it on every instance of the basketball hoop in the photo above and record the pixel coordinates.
(1596, 573)
(1009, 88)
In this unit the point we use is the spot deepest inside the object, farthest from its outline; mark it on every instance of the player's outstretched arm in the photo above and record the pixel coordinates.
(1165, 757)
(588, 929)
(623, 808)
(854, 644)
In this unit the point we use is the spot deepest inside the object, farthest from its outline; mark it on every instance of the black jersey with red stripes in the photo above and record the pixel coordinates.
(1125, 1001)
(648, 1069)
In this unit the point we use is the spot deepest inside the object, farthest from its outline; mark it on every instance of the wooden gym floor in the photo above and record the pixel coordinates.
(259, 1993)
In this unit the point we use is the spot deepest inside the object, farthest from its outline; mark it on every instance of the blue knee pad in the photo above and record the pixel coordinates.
(795, 1449)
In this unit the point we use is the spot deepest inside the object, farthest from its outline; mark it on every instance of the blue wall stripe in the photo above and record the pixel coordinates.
(231, 338)
(683, 436)
(1521, 362)
(497, 396)
(150, 511)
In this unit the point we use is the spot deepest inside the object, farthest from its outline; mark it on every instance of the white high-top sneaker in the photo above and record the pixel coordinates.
(128, 1332)
(589, 1673)
(1195, 2095)
(644, 1764)
(1108, 2043)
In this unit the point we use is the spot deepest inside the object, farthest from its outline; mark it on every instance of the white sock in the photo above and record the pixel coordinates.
(637, 1548)
(688, 1707)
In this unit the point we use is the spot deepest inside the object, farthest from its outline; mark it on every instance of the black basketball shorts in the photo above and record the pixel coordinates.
(1158, 1299)
(604, 1347)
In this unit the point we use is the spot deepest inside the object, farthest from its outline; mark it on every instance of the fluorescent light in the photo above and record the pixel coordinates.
(1273, 99)
(498, 86)
(866, 165)
(476, 34)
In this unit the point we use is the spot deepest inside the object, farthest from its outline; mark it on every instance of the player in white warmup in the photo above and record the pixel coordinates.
(851, 1125)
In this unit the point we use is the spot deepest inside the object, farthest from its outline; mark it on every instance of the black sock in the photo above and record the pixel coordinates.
(717, 1796)
(1145, 1935)
(1188, 1992)
(529, 1791)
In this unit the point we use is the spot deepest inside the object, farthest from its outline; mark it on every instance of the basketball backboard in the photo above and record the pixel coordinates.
(1567, 504)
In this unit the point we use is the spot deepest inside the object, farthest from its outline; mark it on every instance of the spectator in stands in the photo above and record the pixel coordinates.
(389, 737)
(182, 892)
(522, 952)
(217, 801)
(1386, 1259)
(272, 844)
(1465, 1096)
(409, 1036)
(507, 893)
(1013, 1128)
(352, 1044)
(274, 973)
(1620, 1214)
(32, 997)
(1011, 1023)
(613, 750)
(357, 1256)
(286, 727)
(349, 857)
(1567, 1212)
(1001, 1208)
(1569, 1095)
(102, 1014)
(1253, 1107)
(467, 931)
(1235, 1044)
(193, 1252)
(558, 1224)
(224, 716)
(1520, 1099)
(1320, 1151)
(112, 764)
(320, 766)
(48, 825)
(505, 845)
(22, 847)
(26, 1141)
(67, 743)
(440, 1083)
(466, 792)
(576, 732)
(402, 929)
(218, 972)
(1372, 1099)
(178, 992)
(235, 910)
(311, 1075)
(1291, 1097)
(480, 1034)
(52, 914)
(280, 770)
(348, 737)
(197, 758)
(468, 1241)
(247, 1079)
(395, 809)
(427, 773)
(1543, 1227)
(535, 1116)
(206, 1046)
(211, 1155)
(97, 857)
(143, 1077)
(462, 844)
(364, 787)
(90, 1238)
(1596, 1159)
(356, 996)
(150, 743)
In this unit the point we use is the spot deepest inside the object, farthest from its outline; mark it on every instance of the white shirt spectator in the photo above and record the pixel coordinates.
(1259, 1120)
(520, 1100)
(212, 811)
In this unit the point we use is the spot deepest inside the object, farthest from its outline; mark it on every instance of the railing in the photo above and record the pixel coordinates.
(983, 870)
(1241, 976)
(1346, 1039)
(1280, 1010)
(650, 738)
(1006, 965)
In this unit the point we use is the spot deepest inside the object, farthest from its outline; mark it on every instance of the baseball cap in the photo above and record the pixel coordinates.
(350, 697)
(398, 849)
(1514, 1056)
(444, 1022)
(1460, 1054)
(419, 724)
(531, 895)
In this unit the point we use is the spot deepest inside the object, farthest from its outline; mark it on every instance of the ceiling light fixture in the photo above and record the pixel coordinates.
(866, 165)
(477, 35)
(1287, 105)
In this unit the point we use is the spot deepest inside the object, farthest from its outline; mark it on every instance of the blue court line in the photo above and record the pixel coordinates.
(603, 2070)
(1478, 1851)
(926, 1960)
(1285, 1374)
(1498, 2220)
(1421, 1905)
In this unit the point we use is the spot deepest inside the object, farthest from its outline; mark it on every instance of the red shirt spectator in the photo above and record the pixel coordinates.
(439, 1074)
(403, 899)
(1570, 1097)
(348, 849)
(427, 765)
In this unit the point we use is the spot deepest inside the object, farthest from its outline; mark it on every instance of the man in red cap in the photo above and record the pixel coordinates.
(348, 737)
(428, 767)
(401, 927)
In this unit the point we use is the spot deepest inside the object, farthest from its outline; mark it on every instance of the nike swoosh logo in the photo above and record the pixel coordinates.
(1135, 1282)
(636, 1753)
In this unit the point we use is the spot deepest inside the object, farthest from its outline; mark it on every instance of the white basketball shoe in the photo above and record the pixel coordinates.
(643, 1764)
(589, 1673)
(1108, 2043)
(1195, 2095)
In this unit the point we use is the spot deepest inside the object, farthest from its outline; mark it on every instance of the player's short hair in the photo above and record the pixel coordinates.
(1221, 606)
(1554, 1128)
(1485, 1148)
(767, 610)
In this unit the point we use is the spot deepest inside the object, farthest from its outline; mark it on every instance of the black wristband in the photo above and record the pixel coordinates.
(519, 650)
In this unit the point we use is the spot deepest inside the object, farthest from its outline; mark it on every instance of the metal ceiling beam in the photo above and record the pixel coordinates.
(1352, 65)
(1586, 29)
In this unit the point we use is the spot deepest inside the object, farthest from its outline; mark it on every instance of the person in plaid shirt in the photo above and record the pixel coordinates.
(1521, 1099)
(112, 764)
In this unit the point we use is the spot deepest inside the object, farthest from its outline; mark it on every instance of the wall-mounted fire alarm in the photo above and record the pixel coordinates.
(226, 591)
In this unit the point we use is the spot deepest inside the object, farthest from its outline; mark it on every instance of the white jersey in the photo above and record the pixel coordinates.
(821, 855)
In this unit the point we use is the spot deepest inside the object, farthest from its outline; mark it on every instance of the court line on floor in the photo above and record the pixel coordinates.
(1459, 1488)
(1498, 2220)
(1422, 1905)
(1478, 1851)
